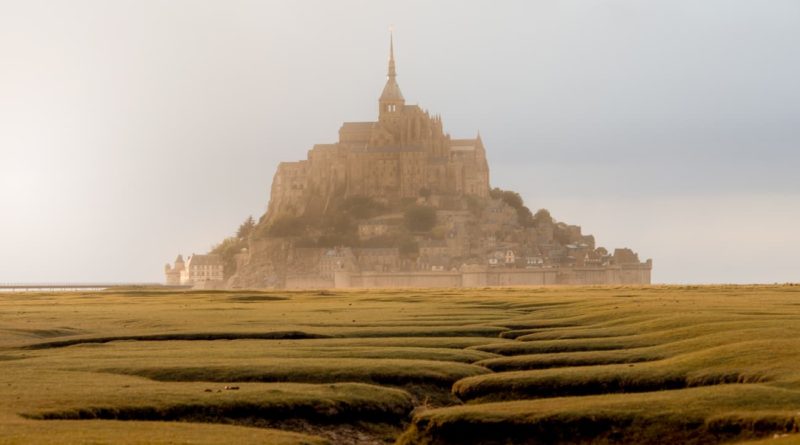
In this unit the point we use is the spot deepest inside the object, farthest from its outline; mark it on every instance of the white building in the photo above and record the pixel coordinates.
(198, 270)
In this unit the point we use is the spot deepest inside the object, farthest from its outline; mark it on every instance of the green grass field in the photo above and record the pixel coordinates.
(661, 364)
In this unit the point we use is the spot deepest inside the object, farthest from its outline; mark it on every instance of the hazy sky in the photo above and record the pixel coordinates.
(131, 131)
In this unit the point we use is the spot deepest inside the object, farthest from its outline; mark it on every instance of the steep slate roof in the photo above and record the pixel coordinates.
(372, 251)
(391, 92)
(357, 127)
(463, 144)
(396, 149)
(205, 260)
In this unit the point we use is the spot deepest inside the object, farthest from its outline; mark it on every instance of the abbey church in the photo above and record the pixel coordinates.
(398, 202)
(404, 152)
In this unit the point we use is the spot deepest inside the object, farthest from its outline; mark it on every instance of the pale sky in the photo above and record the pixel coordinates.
(131, 131)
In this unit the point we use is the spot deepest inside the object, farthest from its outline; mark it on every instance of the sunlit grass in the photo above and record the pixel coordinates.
(688, 416)
(661, 364)
(68, 432)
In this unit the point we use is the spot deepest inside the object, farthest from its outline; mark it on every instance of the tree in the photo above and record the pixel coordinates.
(342, 224)
(246, 229)
(287, 226)
(525, 217)
(362, 207)
(514, 200)
(227, 250)
(420, 218)
(561, 234)
(409, 247)
(475, 205)
(542, 216)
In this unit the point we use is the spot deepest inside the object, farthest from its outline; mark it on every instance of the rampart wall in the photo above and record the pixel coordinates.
(625, 274)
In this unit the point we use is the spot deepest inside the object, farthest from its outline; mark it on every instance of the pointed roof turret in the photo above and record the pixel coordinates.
(391, 92)
(392, 69)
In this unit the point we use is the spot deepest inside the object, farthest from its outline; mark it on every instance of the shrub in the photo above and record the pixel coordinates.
(420, 218)
(542, 216)
(227, 250)
(409, 247)
(513, 199)
(474, 205)
(362, 207)
(287, 226)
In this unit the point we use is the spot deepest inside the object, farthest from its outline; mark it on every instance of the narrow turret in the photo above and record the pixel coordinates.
(391, 100)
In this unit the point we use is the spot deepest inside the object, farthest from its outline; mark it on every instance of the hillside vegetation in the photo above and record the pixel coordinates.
(698, 364)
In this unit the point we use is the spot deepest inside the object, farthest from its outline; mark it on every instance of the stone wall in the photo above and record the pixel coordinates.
(472, 277)
(400, 279)
(308, 282)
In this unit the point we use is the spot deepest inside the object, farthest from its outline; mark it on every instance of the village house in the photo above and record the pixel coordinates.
(173, 273)
(337, 259)
(372, 229)
(378, 259)
(197, 270)
(436, 263)
(431, 248)
(502, 257)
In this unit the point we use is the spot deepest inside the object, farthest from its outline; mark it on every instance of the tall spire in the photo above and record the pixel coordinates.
(391, 99)
(392, 71)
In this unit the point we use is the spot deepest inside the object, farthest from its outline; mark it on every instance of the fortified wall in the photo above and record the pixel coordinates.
(483, 277)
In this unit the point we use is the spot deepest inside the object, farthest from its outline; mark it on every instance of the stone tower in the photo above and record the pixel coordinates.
(402, 154)
(173, 274)
(391, 102)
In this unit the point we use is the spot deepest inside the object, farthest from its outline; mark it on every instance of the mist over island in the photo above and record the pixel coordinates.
(665, 127)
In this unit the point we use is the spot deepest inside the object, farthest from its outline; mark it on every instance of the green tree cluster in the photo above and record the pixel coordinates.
(513, 199)
(230, 246)
(246, 228)
(420, 218)
(286, 226)
(542, 216)
(362, 207)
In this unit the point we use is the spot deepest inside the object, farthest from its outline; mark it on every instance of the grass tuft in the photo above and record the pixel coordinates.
(379, 371)
(205, 336)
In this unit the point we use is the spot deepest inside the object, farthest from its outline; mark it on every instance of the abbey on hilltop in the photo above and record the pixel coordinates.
(399, 203)
(404, 152)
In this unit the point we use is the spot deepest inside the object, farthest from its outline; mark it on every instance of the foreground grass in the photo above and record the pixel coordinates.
(221, 352)
(381, 371)
(694, 364)
(139, 433)
(689, 416)
(777, 439)
(745, 362)
(135, 401)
